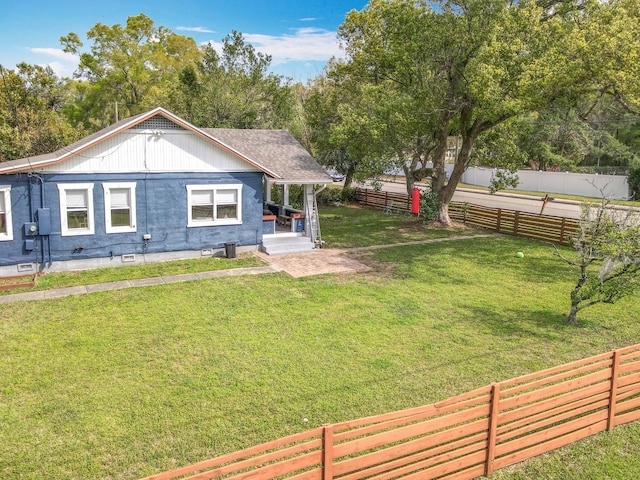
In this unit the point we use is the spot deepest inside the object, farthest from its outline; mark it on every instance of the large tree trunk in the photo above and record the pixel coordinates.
(439, 177)
(445, 192)
(348, 178)
(410, 181)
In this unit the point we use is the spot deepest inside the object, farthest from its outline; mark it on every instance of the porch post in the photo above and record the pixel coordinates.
(267, 193)
(285, 194)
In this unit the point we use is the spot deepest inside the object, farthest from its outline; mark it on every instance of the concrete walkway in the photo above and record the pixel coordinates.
(297, 265)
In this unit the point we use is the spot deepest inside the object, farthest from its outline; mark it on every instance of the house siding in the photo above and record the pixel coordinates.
(142, 151)
(161, 209)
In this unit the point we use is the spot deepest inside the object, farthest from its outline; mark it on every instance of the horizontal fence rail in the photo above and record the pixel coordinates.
(462, 437)
(537, 227)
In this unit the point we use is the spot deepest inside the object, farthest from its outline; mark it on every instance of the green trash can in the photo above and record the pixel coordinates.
(230, 249)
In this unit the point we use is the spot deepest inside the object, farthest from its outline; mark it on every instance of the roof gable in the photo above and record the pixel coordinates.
(155, 117)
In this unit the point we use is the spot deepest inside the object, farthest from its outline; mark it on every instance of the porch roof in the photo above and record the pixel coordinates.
(279, 150)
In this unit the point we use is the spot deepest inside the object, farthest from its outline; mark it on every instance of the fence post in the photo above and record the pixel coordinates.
(327, 452)
(498, 219)
(516, 218)
(493, 427)
(562, 228)
(615, 367)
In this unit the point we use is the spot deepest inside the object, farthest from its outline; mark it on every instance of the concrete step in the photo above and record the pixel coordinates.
(282, 244)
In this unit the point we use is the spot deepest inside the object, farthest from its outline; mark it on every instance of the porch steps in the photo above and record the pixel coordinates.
(286, 243)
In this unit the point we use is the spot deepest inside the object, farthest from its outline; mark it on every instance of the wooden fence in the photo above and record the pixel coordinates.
(538, 227)
(463, 437)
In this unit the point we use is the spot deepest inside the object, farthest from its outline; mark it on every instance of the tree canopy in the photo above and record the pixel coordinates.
(31, 98)
(464, 67)
(127, 69)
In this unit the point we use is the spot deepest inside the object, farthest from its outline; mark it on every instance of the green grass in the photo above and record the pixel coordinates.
(343, 227)
(614, 455)
(356, 226)
(132, 382)
(131, 272)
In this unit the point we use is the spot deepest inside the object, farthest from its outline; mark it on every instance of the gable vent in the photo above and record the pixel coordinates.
(158, 122)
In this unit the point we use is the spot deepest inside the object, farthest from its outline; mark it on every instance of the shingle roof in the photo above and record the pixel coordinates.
(277, 149)
(275, 152)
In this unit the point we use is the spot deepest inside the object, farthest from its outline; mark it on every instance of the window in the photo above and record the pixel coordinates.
(214, 205)
(6, 229)
(119, 207)
(76, 209)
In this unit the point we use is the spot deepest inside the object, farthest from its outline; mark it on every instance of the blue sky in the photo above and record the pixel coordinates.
(298, 34)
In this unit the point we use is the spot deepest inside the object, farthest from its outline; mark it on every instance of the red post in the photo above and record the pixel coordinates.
(415, 201)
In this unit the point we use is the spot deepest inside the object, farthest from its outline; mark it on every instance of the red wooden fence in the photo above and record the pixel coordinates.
(462, 437)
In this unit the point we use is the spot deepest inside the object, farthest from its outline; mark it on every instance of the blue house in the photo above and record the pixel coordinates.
(153, 187)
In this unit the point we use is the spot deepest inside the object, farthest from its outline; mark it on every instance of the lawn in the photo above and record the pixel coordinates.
(131, 272)
(127, 383)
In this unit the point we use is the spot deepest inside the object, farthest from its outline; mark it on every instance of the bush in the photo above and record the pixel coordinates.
(429, 205)
(330, 196)
(296, 195)
(348, 194)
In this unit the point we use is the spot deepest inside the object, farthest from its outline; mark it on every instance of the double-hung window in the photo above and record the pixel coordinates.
(6, 228)
(214, 205)
(76, 209)
(120, 207)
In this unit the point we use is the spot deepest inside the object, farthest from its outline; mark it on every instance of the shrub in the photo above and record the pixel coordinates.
(330, 196)
(429, 205)
(348, 194)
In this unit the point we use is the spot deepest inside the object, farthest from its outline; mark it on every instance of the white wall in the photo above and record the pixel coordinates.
(588, 185)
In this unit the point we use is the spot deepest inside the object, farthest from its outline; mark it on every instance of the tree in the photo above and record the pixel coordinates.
(347, 121)
(233, 89)
(585, 136)
(470, 65)
(31, 99)
(128, 69)
(607, 257)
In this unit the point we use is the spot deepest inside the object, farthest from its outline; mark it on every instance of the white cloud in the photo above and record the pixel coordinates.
(56, 53)
(194, 29)
(305, 44)
(308, 19)
(59, 69)
(65, 64)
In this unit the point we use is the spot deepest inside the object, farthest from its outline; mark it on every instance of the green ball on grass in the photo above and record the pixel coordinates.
(520, 255)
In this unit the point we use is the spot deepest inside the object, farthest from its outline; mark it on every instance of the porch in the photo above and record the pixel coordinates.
(286, 229)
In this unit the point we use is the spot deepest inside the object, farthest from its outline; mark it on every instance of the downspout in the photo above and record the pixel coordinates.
(32, 215)
(43, 205)
(30, 199)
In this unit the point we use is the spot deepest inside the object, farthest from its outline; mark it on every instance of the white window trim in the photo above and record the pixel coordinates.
(5, 190)
(215, 221)
(107, 187)
(65, 231)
